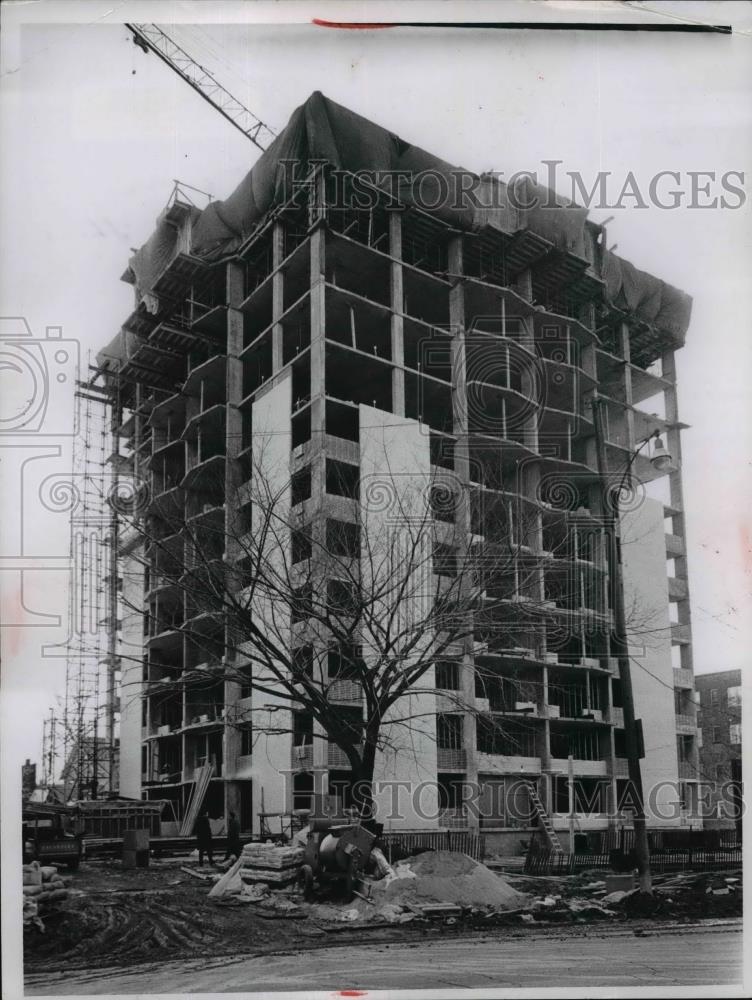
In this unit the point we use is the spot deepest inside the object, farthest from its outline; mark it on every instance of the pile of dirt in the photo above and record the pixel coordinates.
(447, 877)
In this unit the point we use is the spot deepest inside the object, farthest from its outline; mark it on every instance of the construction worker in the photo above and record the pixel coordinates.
(204, 838)
(233, 837)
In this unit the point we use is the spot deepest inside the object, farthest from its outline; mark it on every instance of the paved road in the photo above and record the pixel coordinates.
(662, 959)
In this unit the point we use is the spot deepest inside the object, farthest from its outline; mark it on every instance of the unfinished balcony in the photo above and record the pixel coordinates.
(204, 705)
(507, 746)
(684, 679)
(588, 745)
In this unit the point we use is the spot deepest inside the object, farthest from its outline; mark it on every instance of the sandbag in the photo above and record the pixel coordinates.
(32, 874)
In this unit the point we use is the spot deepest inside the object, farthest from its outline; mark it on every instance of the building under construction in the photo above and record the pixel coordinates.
(471, 338)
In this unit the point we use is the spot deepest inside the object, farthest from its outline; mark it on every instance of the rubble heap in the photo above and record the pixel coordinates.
(447, 877)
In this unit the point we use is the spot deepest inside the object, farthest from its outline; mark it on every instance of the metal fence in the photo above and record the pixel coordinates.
(404, 843)
(673, 839)
(109, 820)
(669, 860)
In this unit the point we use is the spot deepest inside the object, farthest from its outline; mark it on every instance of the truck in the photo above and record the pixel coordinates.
(52, 834)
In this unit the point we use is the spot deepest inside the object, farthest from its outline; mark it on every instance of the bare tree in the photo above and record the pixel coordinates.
(289, 596)
(289, 602)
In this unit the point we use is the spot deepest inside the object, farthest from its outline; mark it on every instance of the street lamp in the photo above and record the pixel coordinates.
(661, 460)
(661, 457)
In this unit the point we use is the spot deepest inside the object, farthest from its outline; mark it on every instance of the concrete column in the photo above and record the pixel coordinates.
(233, 446)
(318, 452)
(278, 284)
(397, 304)
(524, 284)
(462, 472)
(677, 494)
(627, 383)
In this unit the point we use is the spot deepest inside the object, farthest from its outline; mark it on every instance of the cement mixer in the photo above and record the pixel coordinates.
(335, 855)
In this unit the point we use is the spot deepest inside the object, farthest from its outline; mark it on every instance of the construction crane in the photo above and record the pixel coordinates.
(151, 38)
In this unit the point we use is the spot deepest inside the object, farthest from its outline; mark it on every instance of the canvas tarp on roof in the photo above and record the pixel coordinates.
(650, 299)
(149, 262)
(322, 130)
(119, 349)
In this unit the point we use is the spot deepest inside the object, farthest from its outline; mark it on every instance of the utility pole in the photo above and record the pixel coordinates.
(570, 788)
(632, 732)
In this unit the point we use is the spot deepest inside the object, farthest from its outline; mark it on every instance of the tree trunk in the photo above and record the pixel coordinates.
(363, 780)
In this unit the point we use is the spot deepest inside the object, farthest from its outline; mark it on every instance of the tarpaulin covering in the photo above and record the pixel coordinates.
(147, 264)
(322, 130)
(559, 223)
(650, 299)
(118, 351)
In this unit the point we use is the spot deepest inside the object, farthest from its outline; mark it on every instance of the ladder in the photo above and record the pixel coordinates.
(544, 818)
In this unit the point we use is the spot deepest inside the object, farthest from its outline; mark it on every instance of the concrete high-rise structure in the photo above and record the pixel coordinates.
(398, 326)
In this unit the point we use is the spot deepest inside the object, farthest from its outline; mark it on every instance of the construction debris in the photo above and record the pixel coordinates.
(260, 865)
(450, 886)
(202, 876)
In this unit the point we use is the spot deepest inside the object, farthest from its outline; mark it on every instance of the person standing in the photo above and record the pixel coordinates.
(204, 838)
(233, 837)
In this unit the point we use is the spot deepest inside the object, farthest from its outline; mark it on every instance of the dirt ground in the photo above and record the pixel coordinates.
(116, 917)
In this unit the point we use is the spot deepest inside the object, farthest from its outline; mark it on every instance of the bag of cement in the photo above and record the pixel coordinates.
(31, 915)
(400, 872)
(32, 890)
(383, 868)
(58, 894)
(48, 872)
(32, 874)
(229, 884)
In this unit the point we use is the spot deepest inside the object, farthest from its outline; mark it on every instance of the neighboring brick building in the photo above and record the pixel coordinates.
(719, 720)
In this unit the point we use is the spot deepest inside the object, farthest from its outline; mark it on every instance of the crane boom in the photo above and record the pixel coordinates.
(150, 37)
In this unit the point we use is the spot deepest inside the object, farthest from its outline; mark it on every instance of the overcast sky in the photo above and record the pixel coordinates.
(94, 131)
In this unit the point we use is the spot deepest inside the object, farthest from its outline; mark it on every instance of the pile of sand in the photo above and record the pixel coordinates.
(447, 877)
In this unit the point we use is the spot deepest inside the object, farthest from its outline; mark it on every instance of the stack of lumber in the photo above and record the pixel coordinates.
(269, 863)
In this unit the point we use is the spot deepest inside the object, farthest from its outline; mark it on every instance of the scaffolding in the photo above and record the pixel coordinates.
(88, 719)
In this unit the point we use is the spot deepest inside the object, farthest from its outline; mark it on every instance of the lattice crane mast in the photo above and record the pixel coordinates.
(151, 38)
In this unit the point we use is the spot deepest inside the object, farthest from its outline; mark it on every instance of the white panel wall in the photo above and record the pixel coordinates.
(647, 607)
(272, 441)
(132, 648)
(395, 472)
